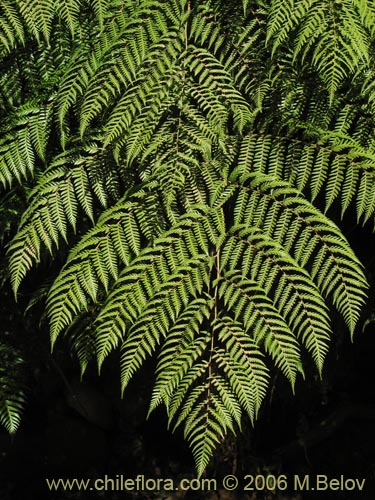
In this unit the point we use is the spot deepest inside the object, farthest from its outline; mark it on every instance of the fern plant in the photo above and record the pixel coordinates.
(186, 166)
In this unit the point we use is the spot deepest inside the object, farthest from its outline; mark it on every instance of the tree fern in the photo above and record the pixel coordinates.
(184, 169)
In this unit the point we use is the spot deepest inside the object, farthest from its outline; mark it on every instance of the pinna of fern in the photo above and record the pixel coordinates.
(12, 387)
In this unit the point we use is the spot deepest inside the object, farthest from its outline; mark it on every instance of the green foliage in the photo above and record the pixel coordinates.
(186, 167)
(12, 387)
(336, 36)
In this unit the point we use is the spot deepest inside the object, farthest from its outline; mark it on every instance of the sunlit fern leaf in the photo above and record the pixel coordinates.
(144, 277)
(321, 31)
(44, 223)
(332, 166)
(81, 188)
(69, 10)
(153, 324)
(173, 153)
(74, 81)
(366, 195)
(67, 186)
(11, 26)
(309, 236)
(39, 126)
(25, 252)
(280, 278)
(181, 348)
(212, 75)
(147, 92)
(26, 133)
(248, 303)
(128, 60)
(38, 16)
(245, 4)
(245, 358)
(95, 261)
(207, 416)
(100, 7)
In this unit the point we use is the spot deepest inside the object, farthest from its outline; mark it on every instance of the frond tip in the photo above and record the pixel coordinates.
(12, 387)
(11, 410)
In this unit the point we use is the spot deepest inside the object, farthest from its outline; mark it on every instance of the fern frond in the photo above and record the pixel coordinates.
(133, 61)
(243, 364)
(151, 84)
(182, 347)
(67, 186)
(211, 75)
(205, 426)
(154, 323)
(11, 26)
(337, 167)
(69, 11)
(12, 388)
(95, 261)
(321, 30)
(11, 409)
(100, 7)
(249, 302)
(176, 251)
(38, 16)
(26, 134)
(310, 237)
